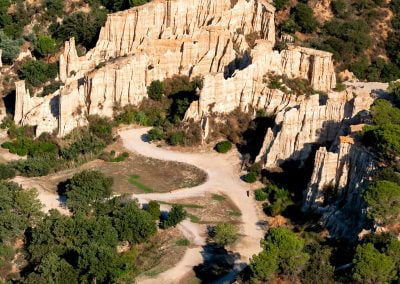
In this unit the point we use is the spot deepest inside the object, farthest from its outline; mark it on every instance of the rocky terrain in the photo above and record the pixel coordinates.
(210, 39)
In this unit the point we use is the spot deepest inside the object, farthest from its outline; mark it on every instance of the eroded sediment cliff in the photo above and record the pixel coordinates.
(335, 189)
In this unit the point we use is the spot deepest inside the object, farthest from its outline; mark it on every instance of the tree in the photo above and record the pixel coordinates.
(37, 72)
(264, 265)
(319, 266)
(45, 45)
(155, 90)
(371, 266)
(176, 215)
(384, 139)
(383, 112)
(10, 47)
(283, 252)
(153, 207)
(304, 17)
(6, 171)
(251, 177)
(383, 199)
(133, 224)
(223, 147)
(280, 4)
(224, 234)
(85, 189)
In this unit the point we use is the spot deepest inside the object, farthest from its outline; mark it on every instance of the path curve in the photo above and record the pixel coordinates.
(223, 176)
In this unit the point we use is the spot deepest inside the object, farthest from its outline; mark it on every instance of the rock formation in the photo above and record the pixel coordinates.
(153, 42)
(335, 190)
(1, 54)
(300, 127)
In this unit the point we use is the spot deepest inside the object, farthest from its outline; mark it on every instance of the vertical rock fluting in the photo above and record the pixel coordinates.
(36, 111)
(336, 185)
(247, 87)
(299, 128)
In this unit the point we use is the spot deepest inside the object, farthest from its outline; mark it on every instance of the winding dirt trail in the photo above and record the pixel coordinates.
(223, 176)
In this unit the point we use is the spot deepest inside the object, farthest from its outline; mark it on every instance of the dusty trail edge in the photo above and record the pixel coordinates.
(223, 172)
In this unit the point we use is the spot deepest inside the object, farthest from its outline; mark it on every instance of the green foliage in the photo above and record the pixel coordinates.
(260, 195)
(319, 266)
(384, 138)
(383, 112)
(280, 4)
(54, 8)
(176, 138)
(83, 249)
(19, 210)
(37, 72)
(304, 18)
(45, 45)
(85, 189)
(101, 127)
(153, 207)
(176, 215)
(223, 147)
(50, 89)
(250, 177)
(34, 148)
(371, 266)
(383, 199)
(10, 47)
(156, 134)
(183, 242)
(224, 234)
(84, 27)
(88, 144)
(283, 252)
(133, 224)
(7, 171)
(35, 167)
(155, 90)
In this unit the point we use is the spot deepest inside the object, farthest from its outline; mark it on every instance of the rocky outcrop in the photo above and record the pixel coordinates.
(247, 87)
(299, 128)
(36, 111)
(1, 54)
(335, 190)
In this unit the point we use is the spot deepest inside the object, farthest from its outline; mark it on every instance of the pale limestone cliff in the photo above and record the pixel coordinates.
(1, 54)
(195, 38)
(335, 190)
(248, 87)
(299, 128)
(36, 111)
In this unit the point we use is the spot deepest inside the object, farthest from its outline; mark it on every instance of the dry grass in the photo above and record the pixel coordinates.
(162, 252)
(211, 209)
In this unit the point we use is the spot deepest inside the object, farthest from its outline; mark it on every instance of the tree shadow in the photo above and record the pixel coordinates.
(218, 263)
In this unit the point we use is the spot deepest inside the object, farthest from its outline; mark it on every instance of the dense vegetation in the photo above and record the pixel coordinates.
(354, 34)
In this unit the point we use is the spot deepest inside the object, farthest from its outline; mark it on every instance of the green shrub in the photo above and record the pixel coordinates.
(156, 90)
(153, 207)
(176, 215)
(280, 4)
(6, 171)
(223, 147)
(176, 138)
(45, 45)
(155, 134)
(250, 177)
(260, 195)
(224, 234)
(37, 72)
(304, 17)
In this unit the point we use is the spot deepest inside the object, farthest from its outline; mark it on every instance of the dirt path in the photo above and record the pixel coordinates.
(223, 176)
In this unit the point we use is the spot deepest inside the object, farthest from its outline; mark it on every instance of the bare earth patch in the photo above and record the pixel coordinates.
(211, 209)
(161, 252)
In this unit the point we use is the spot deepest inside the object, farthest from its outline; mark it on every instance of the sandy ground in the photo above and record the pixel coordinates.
(223, 176)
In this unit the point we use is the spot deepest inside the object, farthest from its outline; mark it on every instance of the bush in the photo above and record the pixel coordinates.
(250, 177)
(6, 171)
(224, 234)
(176, 138)
(260, 195)
(280, 4)
(153, 207)
(304, 17)
(38, 72)
(10, 47)
(155, 90)
(155, 134)
(45, 45)
(85, 189)
(175, 216)
(223, 147)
